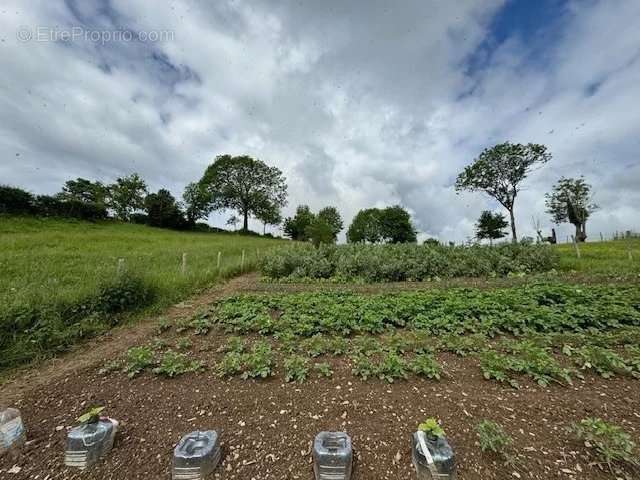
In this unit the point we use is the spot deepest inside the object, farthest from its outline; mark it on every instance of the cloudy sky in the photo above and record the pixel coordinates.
(360, 103)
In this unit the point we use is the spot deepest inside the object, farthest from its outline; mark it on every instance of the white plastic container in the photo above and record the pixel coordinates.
(433, 457)
(12, 432)
(332, 456)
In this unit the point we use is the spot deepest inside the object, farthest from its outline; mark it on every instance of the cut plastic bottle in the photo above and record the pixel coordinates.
(12, 432)
(196, 455)
(89, 442)
(439, 461)
(332, 456)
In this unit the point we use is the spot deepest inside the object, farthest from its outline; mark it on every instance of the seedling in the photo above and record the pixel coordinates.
(392, 367)
(493, 438)
(91, 416)
(431, 427)
(426, 365)
(184, 344)
(259, 362)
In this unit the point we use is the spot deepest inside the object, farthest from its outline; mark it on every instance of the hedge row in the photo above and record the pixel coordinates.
(15, 201)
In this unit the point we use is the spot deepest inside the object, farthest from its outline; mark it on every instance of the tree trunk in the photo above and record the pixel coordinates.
(245, 223)
(581, 232)
(514, 238)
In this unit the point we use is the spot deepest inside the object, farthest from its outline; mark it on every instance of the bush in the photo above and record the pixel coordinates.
(493, 438)
(126, 292)
(48, 206)
(15, 201)
(389, 263)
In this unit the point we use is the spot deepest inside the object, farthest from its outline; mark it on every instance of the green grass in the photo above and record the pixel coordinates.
(48, 263)
(608, 258)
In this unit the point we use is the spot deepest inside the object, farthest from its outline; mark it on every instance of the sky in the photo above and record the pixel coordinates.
(360, 104)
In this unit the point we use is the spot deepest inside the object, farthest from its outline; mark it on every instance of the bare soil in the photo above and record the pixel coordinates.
(268, 425)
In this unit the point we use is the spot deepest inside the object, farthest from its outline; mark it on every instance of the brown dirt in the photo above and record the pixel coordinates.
(268, 425)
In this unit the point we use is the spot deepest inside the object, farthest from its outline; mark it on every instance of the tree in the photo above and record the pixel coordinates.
(332, 218)
(365, 227)
(296, 227)
(162, 210)
(197, 202)
(499, 172)
(571, 201)
(320, 231)
(127, 195)
(395, 225)
(269, 215)
(245, 185)
(84, 190)
(491, 225)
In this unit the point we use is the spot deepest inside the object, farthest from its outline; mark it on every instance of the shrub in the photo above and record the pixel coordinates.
(609, 442)
(126, 292)
(15, 201)
(426, 365)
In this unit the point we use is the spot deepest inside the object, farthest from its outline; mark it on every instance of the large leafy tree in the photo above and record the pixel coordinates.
(127, 195)
(571, 201)
(396, 226)
(491, 226)
(244, 184)
(365, 227)
(320, 231)
(332, 218)
(197, 202)
(85, 191)
(499, 172)
(373, 225)
(296, 227)
(162, 210)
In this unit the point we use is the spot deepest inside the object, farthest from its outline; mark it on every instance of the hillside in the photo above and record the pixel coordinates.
(54, 270)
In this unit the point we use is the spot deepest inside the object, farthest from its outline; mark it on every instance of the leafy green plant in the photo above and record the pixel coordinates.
(493, 438)
(463, 345)
(392, 367)
(111, 366)
(91, 416)
(137, 359)
(164, 324)
(173, 364)
(323, 369)
(234, 344)
(296, 369)
(231, 364)
(201, 325)
(363, 367)
(184, 344)
(259, 362)
(497, 366)
(604, 361)
(431, 427)
(426, 365)
(609, 442)
(537, 362)
(314, 346)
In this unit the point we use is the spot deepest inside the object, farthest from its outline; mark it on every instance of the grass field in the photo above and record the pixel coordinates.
(53, 265)
(616, 257)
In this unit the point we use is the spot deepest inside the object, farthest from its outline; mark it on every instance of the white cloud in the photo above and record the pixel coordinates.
(359, 103)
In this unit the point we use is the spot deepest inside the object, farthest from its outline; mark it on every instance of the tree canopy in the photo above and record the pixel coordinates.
(571, 201)
(162, 210)
(296, 227)
(373, 225)
(84, 190)
(491, 226)
(244, 184)
(332, 218)
(197, 202)
(127, 195)
(499, 172)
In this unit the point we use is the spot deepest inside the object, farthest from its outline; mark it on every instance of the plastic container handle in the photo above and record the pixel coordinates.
(427, 453)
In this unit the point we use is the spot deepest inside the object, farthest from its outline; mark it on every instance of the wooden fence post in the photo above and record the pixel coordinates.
(184, 263)
(242, 262)
(219, 258)
(120, 266)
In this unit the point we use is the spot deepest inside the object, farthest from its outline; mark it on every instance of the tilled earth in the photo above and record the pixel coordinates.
(268, 425)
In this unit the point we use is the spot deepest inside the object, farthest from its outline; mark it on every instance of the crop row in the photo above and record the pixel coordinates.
(402, 262)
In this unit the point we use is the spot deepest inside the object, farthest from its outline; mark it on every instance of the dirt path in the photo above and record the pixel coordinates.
(111, 344)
